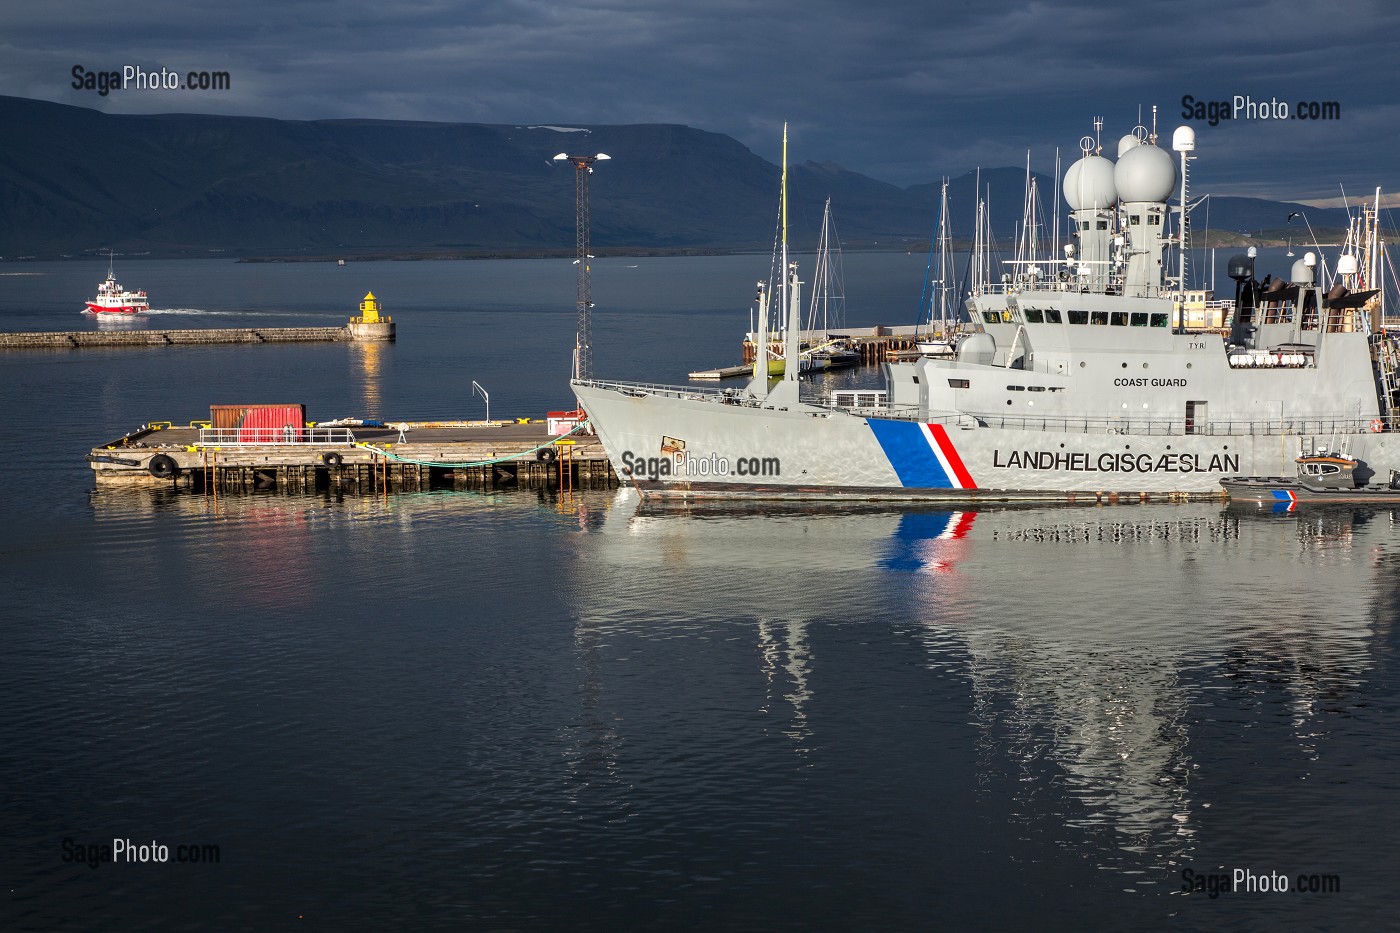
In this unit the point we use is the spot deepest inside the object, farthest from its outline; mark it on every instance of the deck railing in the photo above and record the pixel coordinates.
(264, 437)
(1215, 427)
(1310, 423)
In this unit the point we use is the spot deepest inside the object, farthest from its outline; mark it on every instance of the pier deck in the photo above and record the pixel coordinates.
(495, 453)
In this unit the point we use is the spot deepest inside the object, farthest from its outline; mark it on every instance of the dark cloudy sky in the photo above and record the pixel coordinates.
(902, 90)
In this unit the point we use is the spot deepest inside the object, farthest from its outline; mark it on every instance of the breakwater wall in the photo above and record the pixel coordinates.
(65, 340)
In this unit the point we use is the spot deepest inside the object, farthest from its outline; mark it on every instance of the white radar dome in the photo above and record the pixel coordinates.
(1145, 173)
(1126, 143)
(1302, 273)
(1089, 184)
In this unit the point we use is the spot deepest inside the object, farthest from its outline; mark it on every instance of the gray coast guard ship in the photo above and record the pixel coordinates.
(1102, 376)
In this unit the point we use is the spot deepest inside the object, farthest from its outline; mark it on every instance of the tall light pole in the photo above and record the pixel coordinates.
(476, 387)
(583, 346)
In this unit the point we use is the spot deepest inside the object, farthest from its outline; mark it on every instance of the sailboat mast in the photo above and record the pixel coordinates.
(977, 236)
(822, 277)
(944, 261)
(825, 260)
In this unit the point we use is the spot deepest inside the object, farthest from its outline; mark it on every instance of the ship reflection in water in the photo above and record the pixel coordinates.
(1100, 647)
(1135, 689)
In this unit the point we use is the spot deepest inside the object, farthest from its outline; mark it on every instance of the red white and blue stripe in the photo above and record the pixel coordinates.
(922, 455)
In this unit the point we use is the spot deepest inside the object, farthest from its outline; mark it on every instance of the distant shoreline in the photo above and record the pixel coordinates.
(1214, 240)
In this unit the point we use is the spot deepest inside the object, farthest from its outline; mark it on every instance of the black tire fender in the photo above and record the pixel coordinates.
(546, 454)
(163, 466)
(332, 459)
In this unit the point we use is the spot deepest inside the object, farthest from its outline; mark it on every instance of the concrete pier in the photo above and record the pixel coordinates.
(370, 324)
(69, 340)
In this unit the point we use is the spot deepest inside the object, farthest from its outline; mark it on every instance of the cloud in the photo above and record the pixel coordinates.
(902, 91)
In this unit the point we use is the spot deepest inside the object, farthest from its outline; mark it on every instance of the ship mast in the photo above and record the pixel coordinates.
(1184, 142)
(786, 392)
(788, 302)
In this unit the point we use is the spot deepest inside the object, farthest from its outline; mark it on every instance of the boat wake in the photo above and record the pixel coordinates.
(200, 312)
(238, 312)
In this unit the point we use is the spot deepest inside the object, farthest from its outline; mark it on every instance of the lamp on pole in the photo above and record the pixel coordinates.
(583, 345)
(476, 387)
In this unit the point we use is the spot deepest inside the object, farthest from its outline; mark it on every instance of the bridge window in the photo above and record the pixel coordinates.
(1052, 316)
(1015, 388)
(1118, 319)
(1034, 316)
(991, 317)
(1079, 317)
(1098, 317)
(1139, 319)
(959, 384)
(1159, 319)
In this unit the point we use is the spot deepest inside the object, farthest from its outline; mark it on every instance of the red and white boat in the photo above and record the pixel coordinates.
(113, 299)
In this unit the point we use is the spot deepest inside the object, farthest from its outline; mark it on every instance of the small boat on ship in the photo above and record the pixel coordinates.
(1322, 478)
(113, 299)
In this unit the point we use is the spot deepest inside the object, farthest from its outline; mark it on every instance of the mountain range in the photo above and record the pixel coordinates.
(74, 181)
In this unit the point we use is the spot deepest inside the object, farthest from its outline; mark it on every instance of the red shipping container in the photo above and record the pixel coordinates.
(261, 424)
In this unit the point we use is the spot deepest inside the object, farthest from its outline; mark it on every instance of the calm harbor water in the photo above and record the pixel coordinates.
(512, 710)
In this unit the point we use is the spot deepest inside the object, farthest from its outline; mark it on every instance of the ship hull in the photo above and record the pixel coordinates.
(115, 309)
(695, 445)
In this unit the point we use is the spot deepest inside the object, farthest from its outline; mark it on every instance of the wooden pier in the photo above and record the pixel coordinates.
(874, 344)
(365, 459)
(68, 340)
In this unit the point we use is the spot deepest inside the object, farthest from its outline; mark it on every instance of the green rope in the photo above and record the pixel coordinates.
(438, 463)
